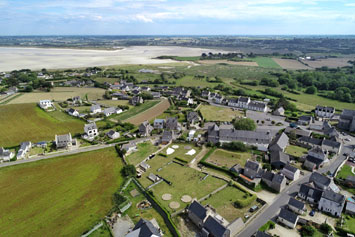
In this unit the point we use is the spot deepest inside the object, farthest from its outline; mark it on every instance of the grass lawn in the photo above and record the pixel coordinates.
(349, 223)
(191, 81)
(103, 231)
(144, 150)
(184, 180)
(136, 214)
(223, 202)
(27, 122)
(181, 151)
(296, 151)
(214, 113)
(345, 172)
(136, 110)
(265, 62)
(223, 158)
(113, 102)
(58, 197)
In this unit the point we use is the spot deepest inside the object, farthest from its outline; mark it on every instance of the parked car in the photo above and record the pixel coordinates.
(254, 208)
(348, 139)
(312, 213)
(246, 217)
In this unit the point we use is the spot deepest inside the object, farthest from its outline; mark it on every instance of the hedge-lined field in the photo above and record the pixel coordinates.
(58, 197)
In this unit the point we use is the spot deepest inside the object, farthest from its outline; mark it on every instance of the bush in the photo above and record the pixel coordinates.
(235, 146)
(311, 90)
(307, 230)
(325, 228)
(128, 171)
(244, 124)
(118, 199)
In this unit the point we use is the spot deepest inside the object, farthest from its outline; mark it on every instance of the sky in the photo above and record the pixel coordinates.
(176, 17)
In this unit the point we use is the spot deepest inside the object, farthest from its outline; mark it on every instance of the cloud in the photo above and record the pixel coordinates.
(143, 18)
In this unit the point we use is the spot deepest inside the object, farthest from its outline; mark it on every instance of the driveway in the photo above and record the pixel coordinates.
(122, 226)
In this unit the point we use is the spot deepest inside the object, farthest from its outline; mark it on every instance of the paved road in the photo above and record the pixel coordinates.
(282, 199)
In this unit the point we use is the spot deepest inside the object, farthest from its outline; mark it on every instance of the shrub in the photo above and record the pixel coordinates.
(325, 228)
(307, 230)
(245, 124)
(128, 171)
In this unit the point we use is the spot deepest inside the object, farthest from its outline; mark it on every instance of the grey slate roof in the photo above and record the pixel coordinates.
(319, 179)
(243, 99)
(309, 191)
(288, 215)
(253, 165)
(279, 156)
(146, 229)
(290, 168)
(214, 227)
(310, 140)
(295, 203)
(281, 141)
(333, 196)
(192, 116)
(64, 138)
(197, 209)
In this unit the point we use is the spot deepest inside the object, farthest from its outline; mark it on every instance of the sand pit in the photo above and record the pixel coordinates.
(186, 199)
(166, 197)
(170, 151)
(174, 205)
(175, 146)
(191, 152)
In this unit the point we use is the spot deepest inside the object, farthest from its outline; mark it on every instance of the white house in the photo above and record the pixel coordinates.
(95, 109)
(288, 218)
(24, 148)
(109, 111)
(191, 135)
(91, 130)
(63, 141)
(332, 202)
(113, 134)
(324, 112)
(73, 112)
(6, 155)
(290, 172)
(45, 104)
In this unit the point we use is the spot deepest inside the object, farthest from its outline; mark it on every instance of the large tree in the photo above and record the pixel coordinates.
(244, 124)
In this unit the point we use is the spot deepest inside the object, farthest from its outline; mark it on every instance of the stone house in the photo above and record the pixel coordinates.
(288, 218)
(332, 203)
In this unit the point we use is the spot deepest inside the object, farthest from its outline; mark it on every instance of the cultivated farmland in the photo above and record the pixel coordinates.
(58, 197)
(290, 64)
(59, 94)
(27, 122)
(152, 110)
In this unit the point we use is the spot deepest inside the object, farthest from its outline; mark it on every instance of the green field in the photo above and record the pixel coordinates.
(191, 81)
(58, 197)
(136, 110)
(214, 113)
(223, 158)
(27, 122)
(144, 150)
(265, 62)
(296, 151)
(136, 214)
(349, 223)
(184, 180)
(223, 202)
(345, 172)
(182, 150)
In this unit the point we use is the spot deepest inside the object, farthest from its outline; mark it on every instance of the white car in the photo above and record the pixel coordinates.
(348, 139)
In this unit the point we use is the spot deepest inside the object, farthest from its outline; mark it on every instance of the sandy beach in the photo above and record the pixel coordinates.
(49, 58)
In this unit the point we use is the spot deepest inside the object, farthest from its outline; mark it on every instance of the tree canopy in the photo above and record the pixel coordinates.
(244, 124)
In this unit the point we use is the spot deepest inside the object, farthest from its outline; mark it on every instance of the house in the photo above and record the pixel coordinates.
(172, 123)
(258, 106)
(317, 156)
(119, 96)
(159, 123)
(213, 227)
(332, 203)
(113, 134)
(279, 159)
(145, 228)
(237, 168)
(144, 166)
(298, 132)
(205, 94)
(246, 103)
(192, 117)
(24, 148)
(324, 112)
(145, 129)
(310, 166)
(167, 137)
(251, 173)
(191, 135)
(296, 206)
(274, 181)
(279, 143)
(45, 104)
(156, 95)
(136, 100)
(279, 111)
(323, 182)
(326, 144)
(63, 141)
(91, 130)
(305, 120)
(226, 133)
(310, 193)
(109, 111)
(287, 218)
(95, 109)
(6, 155)
(350, 207)
(243, 102)
(347, 120)
(291, 172)
(73, 112)
(129, 147)
(197, 213)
